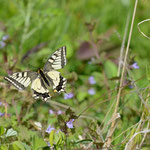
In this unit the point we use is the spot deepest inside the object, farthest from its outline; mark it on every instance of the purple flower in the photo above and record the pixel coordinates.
(2, 44)
(59, 112)
(89, 62)
(135, 65)
(58, 131)
(51, 111)
(1, 103)
(91, 91)
(49, 129)
(91, 80)
(2, 114)
(48, 144)
(70, 123)
(5, 37)
(130, 86)
(68, 96)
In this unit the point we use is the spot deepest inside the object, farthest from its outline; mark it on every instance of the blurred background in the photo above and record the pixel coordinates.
(92, 30)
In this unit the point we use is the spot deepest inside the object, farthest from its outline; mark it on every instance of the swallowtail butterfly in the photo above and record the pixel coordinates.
(42, 79)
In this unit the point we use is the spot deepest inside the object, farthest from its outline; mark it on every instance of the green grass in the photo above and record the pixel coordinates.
(83, 26)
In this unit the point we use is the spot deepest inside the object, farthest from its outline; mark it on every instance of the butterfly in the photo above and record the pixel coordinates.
(43, 78)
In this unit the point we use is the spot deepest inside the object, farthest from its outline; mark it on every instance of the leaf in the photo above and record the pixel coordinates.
(148, 72)
(28, 116)
(82, 95)
(14, 147)
(51, 137)
(11, 132)
(18, 144)
(2, 130)
(26, 146)
(24, 133)
(59, 138)
(38, 142)
(3, 147)
(110, 69)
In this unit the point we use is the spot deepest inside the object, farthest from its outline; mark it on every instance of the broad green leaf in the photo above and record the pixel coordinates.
(82, 95)
(14, 147)
(2, 130)
(18, 144)
(11, 132)
(148, 72)
(3, 147)
(24, 133)
(51, 138)
(26, 146)
(110, 69)
(38, 142)
(59, 138)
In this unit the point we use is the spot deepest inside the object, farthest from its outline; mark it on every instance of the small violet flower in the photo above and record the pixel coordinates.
(48, 144)
(68, 96)
(51, 111)
(135, 65)
(5, 37)
(49, 129)
(2, 44)
(91, 80)
(91, 91)
(130, 86)
(59, 112)
(89, 62)
(2, 114)
(58, 131)
(70, 123)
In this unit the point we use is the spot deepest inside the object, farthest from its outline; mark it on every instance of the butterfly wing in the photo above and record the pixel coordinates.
(57, 60)
(21, 79)
(56, 80)
(39, 89)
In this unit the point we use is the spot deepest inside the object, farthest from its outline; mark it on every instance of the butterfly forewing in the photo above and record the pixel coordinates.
(21, 79)
(57, 60)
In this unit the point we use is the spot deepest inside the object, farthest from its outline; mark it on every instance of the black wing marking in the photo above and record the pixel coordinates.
(21, 79)
(57, 60)
(39, 89)
(57, 81)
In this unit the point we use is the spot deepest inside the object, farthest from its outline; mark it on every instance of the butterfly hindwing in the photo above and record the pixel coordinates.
(57, 81)
(39, 89)
(57, 60)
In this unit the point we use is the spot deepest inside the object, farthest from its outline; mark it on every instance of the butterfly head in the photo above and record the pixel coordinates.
(39, 70)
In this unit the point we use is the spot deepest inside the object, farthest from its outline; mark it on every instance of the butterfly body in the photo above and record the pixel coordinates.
(43, 76)
(42, 79)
